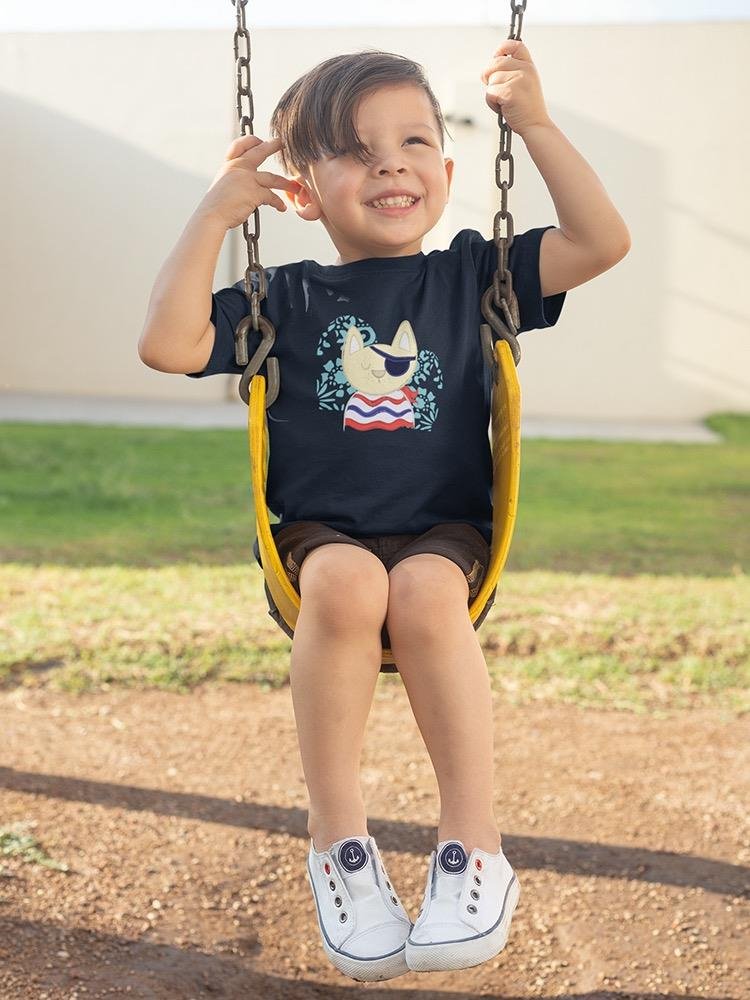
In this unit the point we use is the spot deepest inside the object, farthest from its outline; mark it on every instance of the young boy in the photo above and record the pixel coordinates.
(380, 464)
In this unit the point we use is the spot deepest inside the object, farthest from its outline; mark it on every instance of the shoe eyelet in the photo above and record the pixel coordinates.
(478, 880)
(337, 901)
(327, 868)
(478, 863)
(474, 894)
(343, 917)
(332, 884)
(394, 900)
(388, 884)
(471, 908)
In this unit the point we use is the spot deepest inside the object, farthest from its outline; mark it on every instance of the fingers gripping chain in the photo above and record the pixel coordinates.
(500, 294)
(254, 266)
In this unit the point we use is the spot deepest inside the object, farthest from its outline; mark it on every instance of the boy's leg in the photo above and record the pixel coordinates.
(445, 675)
(335, 662)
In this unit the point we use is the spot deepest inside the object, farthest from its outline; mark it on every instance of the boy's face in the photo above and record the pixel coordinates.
(398, 126)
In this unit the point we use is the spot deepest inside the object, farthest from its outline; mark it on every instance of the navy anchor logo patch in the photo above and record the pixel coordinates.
(352, 856)
(453, 859)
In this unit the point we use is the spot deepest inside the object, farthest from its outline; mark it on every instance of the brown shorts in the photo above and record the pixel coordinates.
(461, 543)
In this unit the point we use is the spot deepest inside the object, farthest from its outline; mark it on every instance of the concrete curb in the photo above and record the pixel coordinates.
(39, 408)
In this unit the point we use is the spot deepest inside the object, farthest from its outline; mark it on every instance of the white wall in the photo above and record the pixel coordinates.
(111, 139)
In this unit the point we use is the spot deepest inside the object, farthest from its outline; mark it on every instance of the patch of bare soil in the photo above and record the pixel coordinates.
(183, 821)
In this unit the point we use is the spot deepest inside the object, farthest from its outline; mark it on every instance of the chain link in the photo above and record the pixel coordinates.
(245, 118)
(500, 294)
(256, 320)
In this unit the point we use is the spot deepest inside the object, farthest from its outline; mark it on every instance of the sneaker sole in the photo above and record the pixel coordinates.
(448, 955)
(364, 970)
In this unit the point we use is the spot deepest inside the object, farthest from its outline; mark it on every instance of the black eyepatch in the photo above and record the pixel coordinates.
(394, 366)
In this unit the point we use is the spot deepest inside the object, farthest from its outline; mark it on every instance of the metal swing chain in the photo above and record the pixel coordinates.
(500, 294)
(254, 266)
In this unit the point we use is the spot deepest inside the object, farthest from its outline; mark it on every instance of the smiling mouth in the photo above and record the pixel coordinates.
(397, 209)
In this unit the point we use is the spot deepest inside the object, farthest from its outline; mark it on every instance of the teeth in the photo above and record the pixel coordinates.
(403, 201)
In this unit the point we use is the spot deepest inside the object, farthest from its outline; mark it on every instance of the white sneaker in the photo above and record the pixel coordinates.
(363, 926)
(466, 911)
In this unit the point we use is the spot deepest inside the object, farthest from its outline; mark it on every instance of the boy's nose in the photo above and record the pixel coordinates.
(390, 160)
(391, 165)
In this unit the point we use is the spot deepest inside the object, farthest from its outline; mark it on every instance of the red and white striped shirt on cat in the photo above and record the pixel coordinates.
(383, 413)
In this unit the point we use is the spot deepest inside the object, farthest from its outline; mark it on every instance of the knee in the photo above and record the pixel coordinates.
(426, 593)
(345, 587)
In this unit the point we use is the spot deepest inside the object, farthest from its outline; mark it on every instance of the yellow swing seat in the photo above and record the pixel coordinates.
(506, 464)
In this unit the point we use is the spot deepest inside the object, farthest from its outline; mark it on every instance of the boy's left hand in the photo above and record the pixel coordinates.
(514, 87)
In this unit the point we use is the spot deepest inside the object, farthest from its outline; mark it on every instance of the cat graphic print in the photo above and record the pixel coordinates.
(378, 373)
(374, 385)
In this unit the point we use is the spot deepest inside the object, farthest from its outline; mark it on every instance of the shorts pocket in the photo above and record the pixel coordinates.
(292, 569)
(475, 577)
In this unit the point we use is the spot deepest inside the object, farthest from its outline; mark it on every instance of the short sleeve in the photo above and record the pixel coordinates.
(535, 312)
(228, 307)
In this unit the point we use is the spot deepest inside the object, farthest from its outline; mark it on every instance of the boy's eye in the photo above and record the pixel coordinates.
(412, 138)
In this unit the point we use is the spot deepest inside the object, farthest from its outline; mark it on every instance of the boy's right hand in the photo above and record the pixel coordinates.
(239, 188)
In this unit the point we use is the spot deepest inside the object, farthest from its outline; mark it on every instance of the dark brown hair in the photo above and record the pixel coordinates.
(315, 117)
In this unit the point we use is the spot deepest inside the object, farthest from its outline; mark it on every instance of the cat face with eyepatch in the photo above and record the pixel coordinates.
(379, 368)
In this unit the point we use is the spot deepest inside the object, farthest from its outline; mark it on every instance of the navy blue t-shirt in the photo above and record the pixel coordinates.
(381, 422)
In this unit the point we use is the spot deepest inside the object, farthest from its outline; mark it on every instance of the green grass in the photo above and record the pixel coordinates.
(80, 495)
(128, 562)
(637, 642)
(588, 506)
(88, 495)
(16, 841)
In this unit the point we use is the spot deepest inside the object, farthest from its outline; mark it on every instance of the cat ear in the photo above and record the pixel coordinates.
(405, 339)
(353, 341)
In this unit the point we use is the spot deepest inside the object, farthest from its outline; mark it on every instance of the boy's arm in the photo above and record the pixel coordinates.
(592, 236)
(178, 334)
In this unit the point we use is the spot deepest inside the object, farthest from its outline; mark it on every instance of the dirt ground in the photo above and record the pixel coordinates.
(183, 821)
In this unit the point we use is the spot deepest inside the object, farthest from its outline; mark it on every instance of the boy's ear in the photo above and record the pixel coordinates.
(449, 172)
(303, 200)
